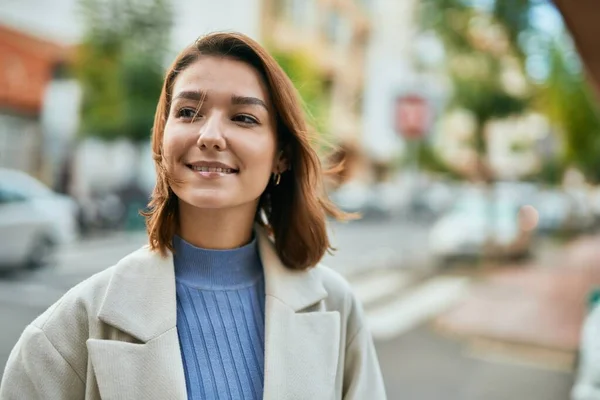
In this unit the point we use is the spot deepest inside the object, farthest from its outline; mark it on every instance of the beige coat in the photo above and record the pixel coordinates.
(114, 336)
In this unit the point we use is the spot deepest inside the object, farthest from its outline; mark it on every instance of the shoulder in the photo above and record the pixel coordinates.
(84, 299)
(64, 328)
(340, 297)
(335, 284)
(59, 336)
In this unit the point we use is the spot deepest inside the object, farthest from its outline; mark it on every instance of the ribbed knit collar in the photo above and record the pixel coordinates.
(216, 269)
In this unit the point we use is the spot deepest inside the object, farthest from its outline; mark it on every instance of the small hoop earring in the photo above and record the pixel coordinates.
(276, 178)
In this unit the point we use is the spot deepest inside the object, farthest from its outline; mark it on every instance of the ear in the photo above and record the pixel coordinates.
(281, 162)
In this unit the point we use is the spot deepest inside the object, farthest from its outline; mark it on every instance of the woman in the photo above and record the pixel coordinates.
(225, 301)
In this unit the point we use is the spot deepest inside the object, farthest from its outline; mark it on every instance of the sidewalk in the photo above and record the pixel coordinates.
(542, 304)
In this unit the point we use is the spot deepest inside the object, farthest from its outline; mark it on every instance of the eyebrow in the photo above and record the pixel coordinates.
(199, 95)
(250, 101)
(191, 95)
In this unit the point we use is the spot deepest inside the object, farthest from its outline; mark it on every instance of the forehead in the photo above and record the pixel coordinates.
(221, 75)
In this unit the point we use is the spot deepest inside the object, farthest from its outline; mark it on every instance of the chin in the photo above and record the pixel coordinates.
(207, 201)
(215, 198)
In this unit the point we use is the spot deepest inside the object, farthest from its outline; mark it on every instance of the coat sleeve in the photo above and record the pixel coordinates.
(587, 385)
(36, 370)
(362, 374)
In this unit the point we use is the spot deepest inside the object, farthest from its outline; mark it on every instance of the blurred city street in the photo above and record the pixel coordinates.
(466, 132)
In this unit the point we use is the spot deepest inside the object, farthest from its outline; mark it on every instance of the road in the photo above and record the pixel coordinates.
(424, 365)
(383, 261)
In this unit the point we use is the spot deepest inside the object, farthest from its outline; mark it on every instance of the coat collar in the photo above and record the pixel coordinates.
(141, 296)
(295, 288)
(140, 299)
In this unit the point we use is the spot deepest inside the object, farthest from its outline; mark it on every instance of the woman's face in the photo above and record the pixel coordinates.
(220, 139)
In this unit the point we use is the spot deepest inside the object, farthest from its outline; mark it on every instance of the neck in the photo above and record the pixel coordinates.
(217, 229)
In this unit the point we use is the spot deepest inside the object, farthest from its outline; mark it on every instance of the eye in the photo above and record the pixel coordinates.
(245, 119)
(187, 113)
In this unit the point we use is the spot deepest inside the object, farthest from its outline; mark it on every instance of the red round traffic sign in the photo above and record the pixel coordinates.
(411, 116)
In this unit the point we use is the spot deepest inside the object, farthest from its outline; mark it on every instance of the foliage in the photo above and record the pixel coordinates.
(481, 46)
(310, 83)
(482, 93)
(551, 172)
(97, 67)
(119, 65)
(515, 16)
(142, 84)
(567, 100)
(431, 161)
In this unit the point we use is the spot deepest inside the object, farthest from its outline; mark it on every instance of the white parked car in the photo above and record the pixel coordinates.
(566, 211)
(477, 227)
(352, 196)
(34, 220)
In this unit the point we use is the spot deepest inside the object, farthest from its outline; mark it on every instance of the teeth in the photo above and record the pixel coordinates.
(213, 169)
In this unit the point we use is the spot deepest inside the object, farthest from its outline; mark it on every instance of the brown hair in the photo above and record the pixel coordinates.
(296, 210)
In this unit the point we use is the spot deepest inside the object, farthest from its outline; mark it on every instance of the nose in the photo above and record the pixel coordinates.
(211, 135)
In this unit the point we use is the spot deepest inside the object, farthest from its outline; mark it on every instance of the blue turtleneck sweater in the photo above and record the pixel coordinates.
(220, 320)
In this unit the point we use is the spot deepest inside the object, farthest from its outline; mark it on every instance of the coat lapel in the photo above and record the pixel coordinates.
(141, 302)
(301, 347)
(150, 370)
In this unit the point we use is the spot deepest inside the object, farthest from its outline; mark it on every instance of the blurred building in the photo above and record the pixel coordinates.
(335, 33)
(401, 60)
(389, 72)
(27, 65)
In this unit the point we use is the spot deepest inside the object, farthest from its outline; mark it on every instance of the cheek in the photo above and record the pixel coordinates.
(174, 143)
(258, 156)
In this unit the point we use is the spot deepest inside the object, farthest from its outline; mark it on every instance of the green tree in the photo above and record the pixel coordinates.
(310, 83)
(485, 64)
(480, 37)
(482, 48)
(567, 100)
(120, 65)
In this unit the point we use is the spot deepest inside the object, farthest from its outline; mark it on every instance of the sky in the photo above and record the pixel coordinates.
(59, 20)
(43, 17)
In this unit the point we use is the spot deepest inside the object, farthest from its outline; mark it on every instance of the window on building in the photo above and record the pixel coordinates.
(338, 30)
(365, 4)
(332, 26)
(303, 13)
(298, 12)
(312, 15)
(282, 8)
(278, 8)
(357, 103)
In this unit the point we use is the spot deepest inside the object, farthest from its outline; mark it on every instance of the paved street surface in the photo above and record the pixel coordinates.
(424, 365)
(386, 263)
